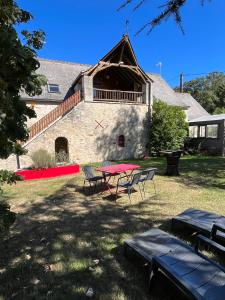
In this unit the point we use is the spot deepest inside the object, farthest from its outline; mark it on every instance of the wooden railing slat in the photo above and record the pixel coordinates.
(116, 95)
(53, 115)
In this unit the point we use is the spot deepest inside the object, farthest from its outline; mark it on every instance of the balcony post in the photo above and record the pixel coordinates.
(146, 93)
(87, 88)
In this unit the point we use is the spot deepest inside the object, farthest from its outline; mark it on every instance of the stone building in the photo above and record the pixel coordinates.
(99, 112)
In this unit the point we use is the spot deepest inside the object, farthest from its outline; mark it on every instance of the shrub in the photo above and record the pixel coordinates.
(42, 159)
(7, 217)
(62, 157)
(168, 127)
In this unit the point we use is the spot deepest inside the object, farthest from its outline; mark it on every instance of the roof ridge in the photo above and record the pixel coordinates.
(62, 61)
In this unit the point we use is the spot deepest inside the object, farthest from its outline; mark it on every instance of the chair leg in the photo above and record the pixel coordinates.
(140, 192)
(129, 191)
(154, 185)
(143, 187)
(116, 192)
(84, 184)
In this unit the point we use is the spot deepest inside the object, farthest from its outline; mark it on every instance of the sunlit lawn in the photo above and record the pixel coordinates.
(61, 230)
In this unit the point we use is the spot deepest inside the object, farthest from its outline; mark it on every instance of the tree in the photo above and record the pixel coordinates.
(171, 8)
(209, 91)
(18, 65)
(168, 127)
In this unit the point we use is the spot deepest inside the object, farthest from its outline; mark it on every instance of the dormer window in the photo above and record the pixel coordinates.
(53, 88)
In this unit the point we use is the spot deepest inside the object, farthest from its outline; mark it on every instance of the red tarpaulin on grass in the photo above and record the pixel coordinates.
(49, 173)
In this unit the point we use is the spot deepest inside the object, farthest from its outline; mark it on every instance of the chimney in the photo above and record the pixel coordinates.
(181, 83)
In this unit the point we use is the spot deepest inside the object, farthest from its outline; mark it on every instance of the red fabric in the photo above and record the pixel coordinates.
(49, 173)
(120, 168)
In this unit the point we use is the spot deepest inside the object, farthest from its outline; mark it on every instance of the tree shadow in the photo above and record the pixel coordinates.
(135, 130)
(53, 245)
(208, 172)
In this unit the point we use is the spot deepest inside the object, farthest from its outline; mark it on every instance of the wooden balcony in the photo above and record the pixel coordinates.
(117, 96)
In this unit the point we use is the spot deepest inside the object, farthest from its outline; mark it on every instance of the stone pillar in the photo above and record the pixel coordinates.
(146, 93)
(87, 88)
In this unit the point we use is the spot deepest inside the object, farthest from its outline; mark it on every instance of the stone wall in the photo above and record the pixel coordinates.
(41, 109)
(92, 130)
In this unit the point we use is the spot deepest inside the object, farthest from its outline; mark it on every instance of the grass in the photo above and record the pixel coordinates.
(61, 232)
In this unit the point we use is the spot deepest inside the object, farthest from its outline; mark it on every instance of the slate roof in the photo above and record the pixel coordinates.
(162, 91)
(209, 118)
(64, 74)
(57, 72)
(195, 110)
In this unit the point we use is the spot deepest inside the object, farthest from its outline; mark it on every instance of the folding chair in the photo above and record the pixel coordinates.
(90, 177)
(129, 185)
(148, 175)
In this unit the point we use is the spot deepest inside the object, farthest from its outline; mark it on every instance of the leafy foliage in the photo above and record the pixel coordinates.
(18, 61)
(62, 157)
(42, 159)
(170, 9)
(7, 217)
(209, 91)
(168, 128)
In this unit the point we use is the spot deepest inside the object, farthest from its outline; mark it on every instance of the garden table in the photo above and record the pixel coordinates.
(117, 169)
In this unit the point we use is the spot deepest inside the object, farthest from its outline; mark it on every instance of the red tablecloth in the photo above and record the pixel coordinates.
(120, 168)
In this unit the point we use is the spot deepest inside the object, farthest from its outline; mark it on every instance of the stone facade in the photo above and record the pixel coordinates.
(41, 108)
(92, 130)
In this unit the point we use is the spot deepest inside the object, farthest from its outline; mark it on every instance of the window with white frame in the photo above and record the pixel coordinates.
(212, 131)
(193, 131)
(53, 88)
(202, 131)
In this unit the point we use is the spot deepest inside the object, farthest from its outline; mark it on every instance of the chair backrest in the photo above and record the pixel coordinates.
(150, 173)
(135, 178)
(106, 163)
(88, 172)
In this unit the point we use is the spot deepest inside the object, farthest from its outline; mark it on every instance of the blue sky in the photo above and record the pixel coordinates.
(83, 31)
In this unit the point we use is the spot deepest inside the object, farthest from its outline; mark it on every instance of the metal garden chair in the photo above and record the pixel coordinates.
(90, 177)
(147, 175)
(129, 185)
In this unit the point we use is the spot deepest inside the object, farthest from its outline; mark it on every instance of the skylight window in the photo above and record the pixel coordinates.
(53, 88)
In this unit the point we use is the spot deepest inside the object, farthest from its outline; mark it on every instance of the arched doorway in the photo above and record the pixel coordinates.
(61, 149)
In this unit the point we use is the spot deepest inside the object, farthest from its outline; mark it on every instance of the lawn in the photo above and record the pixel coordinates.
(66, 240)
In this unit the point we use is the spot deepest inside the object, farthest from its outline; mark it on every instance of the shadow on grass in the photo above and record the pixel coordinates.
(54, 243)
(202, 171)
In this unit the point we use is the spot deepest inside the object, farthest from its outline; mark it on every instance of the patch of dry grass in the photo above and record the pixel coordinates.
(62, 231)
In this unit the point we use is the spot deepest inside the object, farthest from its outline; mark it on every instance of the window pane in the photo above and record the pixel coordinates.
(193, 131)
(212, 131)
(202, 131)
(53, 88)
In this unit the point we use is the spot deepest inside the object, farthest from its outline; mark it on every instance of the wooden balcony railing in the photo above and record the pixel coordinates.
(117, 96)
(53, 115)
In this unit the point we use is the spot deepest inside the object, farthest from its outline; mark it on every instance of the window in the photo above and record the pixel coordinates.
(193, 131)
(53, 88)
(121, 141)
(212, 131)
(202, 131)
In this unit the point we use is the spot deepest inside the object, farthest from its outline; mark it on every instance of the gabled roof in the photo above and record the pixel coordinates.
(122, 52)
(123, 56)
(195, 110)
(57, 72)
(162, 91)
